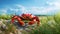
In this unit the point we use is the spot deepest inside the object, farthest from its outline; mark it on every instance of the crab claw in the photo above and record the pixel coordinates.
(21, 23)
(31, 22)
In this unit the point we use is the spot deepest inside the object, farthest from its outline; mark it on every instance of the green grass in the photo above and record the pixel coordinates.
(48, 25)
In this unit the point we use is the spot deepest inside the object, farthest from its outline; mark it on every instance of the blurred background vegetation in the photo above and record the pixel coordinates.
(49, 24)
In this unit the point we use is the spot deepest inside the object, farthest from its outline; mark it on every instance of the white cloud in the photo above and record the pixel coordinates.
(52, 6)
(19, 8)
(3, 10)
(41, 10)
(33, 10)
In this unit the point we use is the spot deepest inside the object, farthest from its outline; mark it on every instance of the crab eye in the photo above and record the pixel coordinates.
(34, 19)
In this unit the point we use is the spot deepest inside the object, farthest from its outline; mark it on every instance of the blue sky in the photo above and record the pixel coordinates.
(42, 7)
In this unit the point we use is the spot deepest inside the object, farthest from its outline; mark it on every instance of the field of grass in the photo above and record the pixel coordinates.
(48, 25)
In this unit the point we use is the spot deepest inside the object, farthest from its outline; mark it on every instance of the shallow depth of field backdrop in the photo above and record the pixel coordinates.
(48, 12)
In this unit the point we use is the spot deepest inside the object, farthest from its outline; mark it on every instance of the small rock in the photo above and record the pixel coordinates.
(11, 33)
(19, 32)
(0, 31)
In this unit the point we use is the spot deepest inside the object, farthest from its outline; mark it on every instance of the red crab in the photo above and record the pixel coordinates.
(29, 17)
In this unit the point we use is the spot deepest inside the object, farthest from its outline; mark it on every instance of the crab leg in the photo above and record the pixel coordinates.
(35, 19)
(18, 19)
